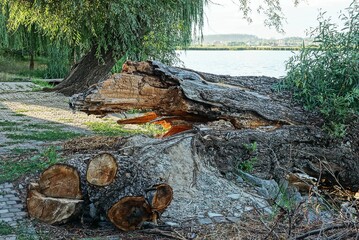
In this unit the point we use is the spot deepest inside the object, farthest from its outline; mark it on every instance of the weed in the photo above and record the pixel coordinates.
(53, 135)
(285, 199)
(251, 147)
(5, 229)
(248, 165)
(10, 171)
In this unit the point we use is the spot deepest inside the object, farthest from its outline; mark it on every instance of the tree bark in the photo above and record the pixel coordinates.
(89, 70)
(32, 62)
(238, 112)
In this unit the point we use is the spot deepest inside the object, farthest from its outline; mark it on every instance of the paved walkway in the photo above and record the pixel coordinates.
(23, 110)
(11, 208)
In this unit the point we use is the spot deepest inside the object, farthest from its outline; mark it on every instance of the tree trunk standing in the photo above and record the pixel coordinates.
(245, 110)
(32, 61)
(89, 70)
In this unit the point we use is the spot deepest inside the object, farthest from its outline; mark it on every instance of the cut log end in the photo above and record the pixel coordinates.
(60, 181)
(102, 170)
(129, 213)
(51, 210)
(160, 197)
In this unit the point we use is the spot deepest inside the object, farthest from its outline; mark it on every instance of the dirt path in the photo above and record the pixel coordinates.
(24, 111)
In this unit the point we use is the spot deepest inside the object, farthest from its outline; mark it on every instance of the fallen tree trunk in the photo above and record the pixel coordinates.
(246, 111)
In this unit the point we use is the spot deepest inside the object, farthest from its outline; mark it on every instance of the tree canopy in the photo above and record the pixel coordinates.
(131, 27)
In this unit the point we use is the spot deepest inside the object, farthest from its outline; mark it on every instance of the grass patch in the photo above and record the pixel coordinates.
(14, 69)
(20, 151)
(7, 123)
(23, 232)
(8, 77)
(6, 229)
(10, 171)
(40, 84)
(21, 110)
(18, 115)
(41, 126)
(52, 135)
(114, 129)
(11, 128)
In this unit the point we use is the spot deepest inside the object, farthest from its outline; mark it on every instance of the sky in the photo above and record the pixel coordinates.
(224, 17)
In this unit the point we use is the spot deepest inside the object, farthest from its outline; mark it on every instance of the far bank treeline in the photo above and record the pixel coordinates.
(239, 48)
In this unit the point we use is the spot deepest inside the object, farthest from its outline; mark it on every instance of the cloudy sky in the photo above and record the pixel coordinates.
(224, 17)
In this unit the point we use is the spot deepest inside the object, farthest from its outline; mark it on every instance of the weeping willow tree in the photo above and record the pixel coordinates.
(112, 29)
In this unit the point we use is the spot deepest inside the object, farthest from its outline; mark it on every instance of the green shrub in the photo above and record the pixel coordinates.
(326, 79)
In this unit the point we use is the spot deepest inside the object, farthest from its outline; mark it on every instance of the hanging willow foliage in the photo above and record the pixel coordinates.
(135, 28)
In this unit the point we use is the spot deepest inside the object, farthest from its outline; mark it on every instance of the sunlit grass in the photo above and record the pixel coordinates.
(114, 129)
(40, 84)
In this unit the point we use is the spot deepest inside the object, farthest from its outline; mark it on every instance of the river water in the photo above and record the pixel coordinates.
(237, 63)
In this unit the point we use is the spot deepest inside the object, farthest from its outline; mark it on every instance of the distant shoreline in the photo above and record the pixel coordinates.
(240, 48)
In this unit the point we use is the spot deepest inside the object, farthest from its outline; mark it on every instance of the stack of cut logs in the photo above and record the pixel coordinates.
(58, 195)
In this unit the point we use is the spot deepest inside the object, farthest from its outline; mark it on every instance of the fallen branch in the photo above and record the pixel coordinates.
(327, 228)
